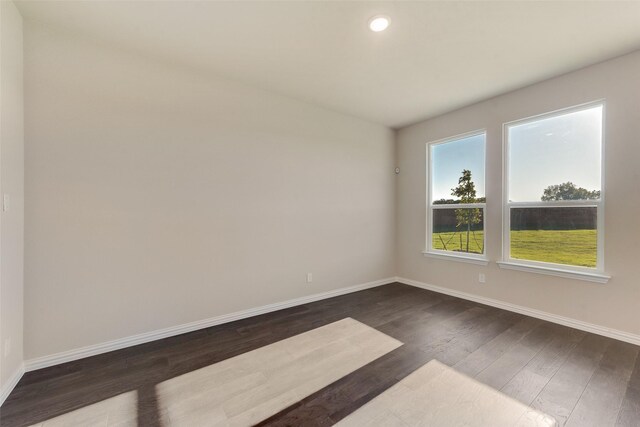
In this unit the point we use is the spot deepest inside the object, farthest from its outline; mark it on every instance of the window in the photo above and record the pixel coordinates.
(456, 197)
(553, 213)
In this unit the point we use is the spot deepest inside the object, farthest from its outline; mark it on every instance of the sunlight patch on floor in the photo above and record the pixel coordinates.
(437, 395)
(120, 410)
(253, 386)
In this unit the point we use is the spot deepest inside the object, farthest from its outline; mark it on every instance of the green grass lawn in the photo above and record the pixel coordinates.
(572, 247)
(453, 243)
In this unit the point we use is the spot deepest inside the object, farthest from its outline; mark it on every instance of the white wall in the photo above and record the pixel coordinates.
(613, 305)
(12, 182)
(157, 196)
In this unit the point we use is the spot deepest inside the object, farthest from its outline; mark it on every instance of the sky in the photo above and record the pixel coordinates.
(448, 161)
(545, 152)
(555, 150)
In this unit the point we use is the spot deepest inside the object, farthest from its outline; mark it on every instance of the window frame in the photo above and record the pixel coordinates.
(430, 251)
(595, 274)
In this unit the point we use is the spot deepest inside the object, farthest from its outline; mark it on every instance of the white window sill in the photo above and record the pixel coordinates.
(459, 258)
(569, 274)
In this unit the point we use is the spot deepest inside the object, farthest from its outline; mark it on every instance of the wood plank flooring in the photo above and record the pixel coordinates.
(578, 378)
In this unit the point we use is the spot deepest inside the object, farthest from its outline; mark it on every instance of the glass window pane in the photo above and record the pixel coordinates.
(449, 160)
(458, 230)
(556, 158)
(556, 235)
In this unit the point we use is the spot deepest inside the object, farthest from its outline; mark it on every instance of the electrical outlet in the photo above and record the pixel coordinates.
(481, 278)
(309, 277)
(7, 347)
(5, 202)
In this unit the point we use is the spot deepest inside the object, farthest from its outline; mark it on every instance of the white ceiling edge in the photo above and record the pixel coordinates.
(435, 58)
(516, 89)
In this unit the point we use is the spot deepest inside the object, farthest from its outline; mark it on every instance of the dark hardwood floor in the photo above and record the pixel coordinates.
(579, 378)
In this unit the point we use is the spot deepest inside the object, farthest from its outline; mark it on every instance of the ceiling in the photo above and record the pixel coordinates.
(435, 56)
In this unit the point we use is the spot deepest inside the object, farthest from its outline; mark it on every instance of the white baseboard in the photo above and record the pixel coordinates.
(10, 385)
(92, 350)
(554, 318)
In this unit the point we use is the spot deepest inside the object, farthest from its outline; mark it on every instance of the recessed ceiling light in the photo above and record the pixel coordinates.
(378, 23)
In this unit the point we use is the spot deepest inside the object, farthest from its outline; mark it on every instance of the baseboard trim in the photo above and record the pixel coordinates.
(11, 384)
(554, 318)
(92, 350)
